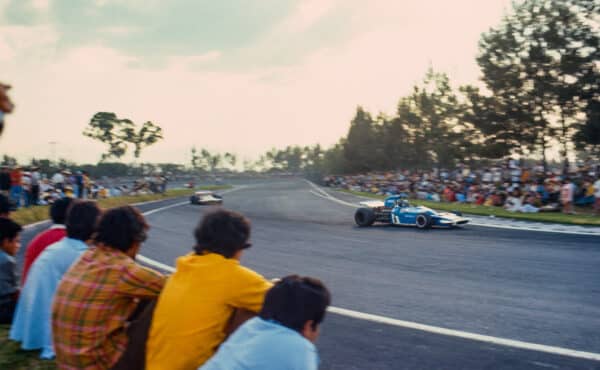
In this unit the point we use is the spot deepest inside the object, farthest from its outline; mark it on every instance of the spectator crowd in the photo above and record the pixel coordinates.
(28, 186)
(514, 186)
(85, 301)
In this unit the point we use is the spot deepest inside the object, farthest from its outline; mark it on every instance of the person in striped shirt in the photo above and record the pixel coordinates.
(97, 299)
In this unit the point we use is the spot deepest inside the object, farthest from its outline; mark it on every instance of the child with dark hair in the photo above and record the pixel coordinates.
(96, 302)
(282, 337)
(58, 214)
(199, 299)
(10, 242)
(31, 325)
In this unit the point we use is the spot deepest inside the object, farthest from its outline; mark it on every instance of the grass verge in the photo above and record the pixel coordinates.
(553, 217)
(30, 215)
(14, 358)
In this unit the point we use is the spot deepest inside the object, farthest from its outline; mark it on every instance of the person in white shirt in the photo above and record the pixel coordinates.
(59, 181)
(282, 336)
(35, 186)
(513, 202)
(487, 176)
(567, 192)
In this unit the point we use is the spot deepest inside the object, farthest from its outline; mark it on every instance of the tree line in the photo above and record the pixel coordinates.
(541, 75)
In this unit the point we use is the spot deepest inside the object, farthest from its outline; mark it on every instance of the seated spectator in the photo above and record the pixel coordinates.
(32, 322)
(530, 204)
(16, 185)
(567, 193)
(449, 195)
(513, 202)
(597, 196)
(587, 194)
(201, 296)
(4, 178)
(282, 337)
(93, 317)
(10, 241)
(58, 213)
(6, 206)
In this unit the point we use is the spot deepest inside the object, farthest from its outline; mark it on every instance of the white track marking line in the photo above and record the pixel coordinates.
(466, 335)
(433, 329)
(153, 263)
(148, 213)
(496, 226)
(525, 228)
(29, 226)
(333, 199)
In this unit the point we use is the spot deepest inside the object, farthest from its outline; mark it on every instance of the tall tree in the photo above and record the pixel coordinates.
(195, 158)
(429, 118)
(363, 147)
(212, 161)
(543, 61)
(118, 133)
(497, 129)
(587, 138)
(141, 138)
(106, 128)
(230, 159)
(8, 160)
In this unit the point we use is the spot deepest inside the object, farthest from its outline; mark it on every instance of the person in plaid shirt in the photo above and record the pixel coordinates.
(100, 293)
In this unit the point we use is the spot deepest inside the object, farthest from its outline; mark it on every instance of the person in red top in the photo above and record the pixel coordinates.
(449, 194)
(58, 215)
(16, 185)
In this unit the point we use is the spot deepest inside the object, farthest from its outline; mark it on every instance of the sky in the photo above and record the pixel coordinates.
(241, 76)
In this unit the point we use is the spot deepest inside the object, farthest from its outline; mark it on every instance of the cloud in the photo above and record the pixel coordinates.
(40, 5)
(153, 29)
(195, 62)
(296, 79)
(306, 14)
(30, 43)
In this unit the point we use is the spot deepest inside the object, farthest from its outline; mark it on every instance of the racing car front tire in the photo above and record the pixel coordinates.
(364, 217)
(423, 221)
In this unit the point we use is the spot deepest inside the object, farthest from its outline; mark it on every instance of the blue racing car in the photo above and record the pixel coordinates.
(396, 210)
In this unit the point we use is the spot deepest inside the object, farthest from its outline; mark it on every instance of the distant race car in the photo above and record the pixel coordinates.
(206, 197)
(396, 210)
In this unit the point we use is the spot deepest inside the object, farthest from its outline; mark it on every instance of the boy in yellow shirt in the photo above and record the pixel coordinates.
(199, 299)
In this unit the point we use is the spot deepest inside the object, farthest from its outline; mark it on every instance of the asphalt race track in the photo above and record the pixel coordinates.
(528, 286)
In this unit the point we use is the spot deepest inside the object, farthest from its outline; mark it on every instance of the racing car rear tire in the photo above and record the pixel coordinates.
(364, 217)
(423, 221)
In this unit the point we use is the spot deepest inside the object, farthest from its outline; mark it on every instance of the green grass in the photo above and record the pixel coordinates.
(14, 358)
(30, 215)
(554, 217)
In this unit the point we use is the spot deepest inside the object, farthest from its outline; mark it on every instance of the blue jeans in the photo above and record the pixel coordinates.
(16, 192)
